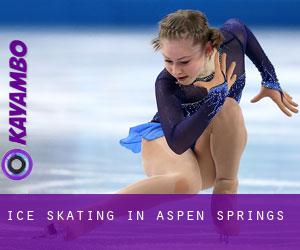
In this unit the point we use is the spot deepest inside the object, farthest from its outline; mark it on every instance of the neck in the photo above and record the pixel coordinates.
(209, 65)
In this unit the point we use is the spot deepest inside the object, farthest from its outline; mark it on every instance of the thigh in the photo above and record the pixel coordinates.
(205, 160)
(159, 159)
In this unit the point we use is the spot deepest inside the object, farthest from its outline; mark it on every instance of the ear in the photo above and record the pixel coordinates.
(208, 48)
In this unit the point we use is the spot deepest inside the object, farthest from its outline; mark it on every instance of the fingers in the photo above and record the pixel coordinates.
(287, 95)
(277, 99)
(231, 78)
(217, 65)
(220, 71)
(293, 103)
(257, 98)
(223, 63)
(201, 84)
(289, 99)
(288, 105)
(284, 101)
(230, 70)
(228, 73)
(218, 77)
(283, 108)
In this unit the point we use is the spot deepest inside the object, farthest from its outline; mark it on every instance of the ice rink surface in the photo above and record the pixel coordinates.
(86, 88)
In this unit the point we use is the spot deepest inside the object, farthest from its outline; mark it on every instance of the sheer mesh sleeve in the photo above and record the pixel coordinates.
(180, 131)
(254, 51)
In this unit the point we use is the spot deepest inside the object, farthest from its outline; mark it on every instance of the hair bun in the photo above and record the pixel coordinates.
(215, 37)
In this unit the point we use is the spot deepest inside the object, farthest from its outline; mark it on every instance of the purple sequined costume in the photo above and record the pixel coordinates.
(184, 112)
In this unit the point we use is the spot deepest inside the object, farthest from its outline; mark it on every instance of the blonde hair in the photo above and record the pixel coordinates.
(184, 24)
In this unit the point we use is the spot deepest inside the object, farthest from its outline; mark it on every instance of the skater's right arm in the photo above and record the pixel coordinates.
(181, 132)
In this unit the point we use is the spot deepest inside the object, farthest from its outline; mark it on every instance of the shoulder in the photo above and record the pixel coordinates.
(165, 82)
(164, 74)
(165, 77)
(236, 28)
(234, 25)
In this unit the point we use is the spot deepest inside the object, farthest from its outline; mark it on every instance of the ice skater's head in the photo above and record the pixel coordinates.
(187, 44)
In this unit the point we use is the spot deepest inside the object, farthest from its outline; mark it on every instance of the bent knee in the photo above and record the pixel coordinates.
(230, 108)
(186, 185)
(226, 186)
(230, 115)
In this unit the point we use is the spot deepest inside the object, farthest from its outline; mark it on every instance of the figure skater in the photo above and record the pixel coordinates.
(196, 139)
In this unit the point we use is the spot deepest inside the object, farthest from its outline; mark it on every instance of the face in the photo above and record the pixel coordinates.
(183, 60)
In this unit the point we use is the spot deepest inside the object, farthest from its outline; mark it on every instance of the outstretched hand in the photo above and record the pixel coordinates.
(219, 77)
(285, 103)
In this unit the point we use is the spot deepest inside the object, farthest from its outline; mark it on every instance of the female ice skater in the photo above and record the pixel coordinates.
(197, 138)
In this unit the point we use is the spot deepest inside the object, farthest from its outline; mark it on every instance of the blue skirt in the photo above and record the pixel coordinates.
(148, 131)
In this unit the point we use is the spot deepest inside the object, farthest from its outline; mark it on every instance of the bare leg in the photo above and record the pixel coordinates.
(205, 160)
(215, 161)
(228, 141)
(219, 149)
(223, 143)
(169, 173)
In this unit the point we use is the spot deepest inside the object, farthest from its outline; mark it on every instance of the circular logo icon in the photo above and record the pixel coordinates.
(16, 164)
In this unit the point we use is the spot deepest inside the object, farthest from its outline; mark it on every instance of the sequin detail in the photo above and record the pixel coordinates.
(268, 73)
(272, 85)
(269, 79)
(214, 101)
(190, 108)
(216, 98)
(237, 88)
(216, 92)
